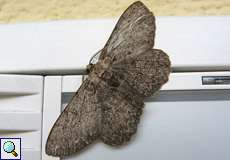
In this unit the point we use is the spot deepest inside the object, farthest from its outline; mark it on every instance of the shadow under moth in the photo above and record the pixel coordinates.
(109, 103)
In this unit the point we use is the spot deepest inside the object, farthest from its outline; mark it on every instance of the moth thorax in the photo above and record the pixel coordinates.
(102, 66)
(97, 69)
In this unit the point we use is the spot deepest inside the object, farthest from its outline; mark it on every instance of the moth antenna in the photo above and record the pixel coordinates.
(92, 61)
(94, 58)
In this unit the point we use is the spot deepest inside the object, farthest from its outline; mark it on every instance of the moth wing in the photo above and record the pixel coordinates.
(146, 72)
(132, 79)
(78, 125)
(134, 31)
(122, 109)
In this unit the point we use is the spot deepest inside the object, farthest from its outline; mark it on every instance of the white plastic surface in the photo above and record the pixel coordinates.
(21, 112)
(62, 47)
(20, 85)
(51, 108)
(71, 83)
(20, 121)
(193, 81)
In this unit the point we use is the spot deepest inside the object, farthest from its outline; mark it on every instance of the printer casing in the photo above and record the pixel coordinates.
(41, 67)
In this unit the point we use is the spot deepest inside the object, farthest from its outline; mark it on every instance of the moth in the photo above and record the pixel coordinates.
(109, 103)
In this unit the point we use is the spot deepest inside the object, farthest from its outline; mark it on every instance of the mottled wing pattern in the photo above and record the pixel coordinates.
(146, 72)
(78, 125)
(121, 111)
(129, 82)
(134, 31)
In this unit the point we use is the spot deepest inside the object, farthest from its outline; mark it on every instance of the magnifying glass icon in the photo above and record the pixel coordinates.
(9, 147)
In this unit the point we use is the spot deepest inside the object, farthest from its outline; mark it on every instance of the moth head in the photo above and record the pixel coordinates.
(89, 68)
